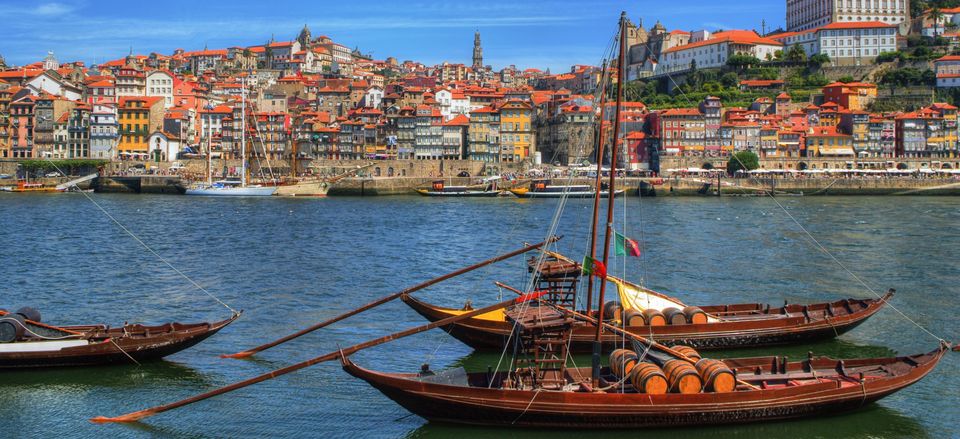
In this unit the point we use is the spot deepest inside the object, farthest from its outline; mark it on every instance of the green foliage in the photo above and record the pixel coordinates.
(778, 55)
(742, 61)
(816, 80)
(889, 56)
(909, 76)
(730, 80)
(846, 79)
(743, 160)
(796, 54)
(71, 167)
(819, 60)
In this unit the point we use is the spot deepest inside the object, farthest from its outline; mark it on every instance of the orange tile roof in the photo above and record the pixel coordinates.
(730, 36)
(460, 120)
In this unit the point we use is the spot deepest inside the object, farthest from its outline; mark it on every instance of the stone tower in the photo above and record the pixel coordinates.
(477, 52)
(50, 62)
(3, 63)
(304, 37)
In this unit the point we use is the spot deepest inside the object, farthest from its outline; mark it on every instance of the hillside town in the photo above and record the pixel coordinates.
(314, 98)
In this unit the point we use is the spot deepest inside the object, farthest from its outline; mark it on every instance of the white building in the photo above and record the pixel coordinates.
(373, 97)
(847, 44)
(948, 71)
(715, 49)
(48, 83)
(167, 144)
(460, 104)
(103, 132)
(160, 83)
(810, 14)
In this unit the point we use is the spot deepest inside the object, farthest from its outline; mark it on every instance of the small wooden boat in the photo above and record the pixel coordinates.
(668, 320)
(439, 189)
(544, 189)
(35, 344)
(23, 186)
(772, 389)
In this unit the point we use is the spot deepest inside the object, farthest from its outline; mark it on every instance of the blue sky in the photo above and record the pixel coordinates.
(543, 34)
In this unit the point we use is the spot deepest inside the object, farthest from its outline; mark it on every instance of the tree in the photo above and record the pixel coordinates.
(729, 80)
(742, 61)
(846, 79)
(778, 55)
(819, 60)
(743, 160)
(796, 54)
(936, 15)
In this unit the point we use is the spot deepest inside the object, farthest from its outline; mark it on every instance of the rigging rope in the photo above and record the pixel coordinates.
(150, 249)
(814, 240)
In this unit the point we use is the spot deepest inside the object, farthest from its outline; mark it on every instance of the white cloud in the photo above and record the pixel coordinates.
(53, 9)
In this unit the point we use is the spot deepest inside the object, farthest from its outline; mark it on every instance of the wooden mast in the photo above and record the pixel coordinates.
(596, 200)
(611, 200)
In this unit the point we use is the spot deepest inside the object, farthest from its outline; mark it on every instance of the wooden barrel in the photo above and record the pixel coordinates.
(612, 311)
(648, 378)
(654, 317)
(695, 315)
(11, 328)
(716, 376)
(674, 316)
(632, 317)
(622, 361)
(691, 353)
(682, 376)
(29, 313)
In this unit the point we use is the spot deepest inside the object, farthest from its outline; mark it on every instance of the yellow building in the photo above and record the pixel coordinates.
(138, 117)
(516, 131)
(950, 140)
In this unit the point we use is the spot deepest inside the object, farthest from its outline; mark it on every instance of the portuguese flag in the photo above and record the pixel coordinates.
(626, 246)
(593, 267)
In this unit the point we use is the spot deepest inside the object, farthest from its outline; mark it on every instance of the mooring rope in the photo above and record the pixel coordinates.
(150, 249)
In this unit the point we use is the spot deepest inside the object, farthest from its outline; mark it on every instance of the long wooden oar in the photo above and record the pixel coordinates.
(136, 416)
(641, 339)
(385, 299)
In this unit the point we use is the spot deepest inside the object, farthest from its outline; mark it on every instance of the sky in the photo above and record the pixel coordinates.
(543, 34)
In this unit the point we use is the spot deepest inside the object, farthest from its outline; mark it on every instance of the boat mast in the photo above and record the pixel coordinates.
(243, 132)
(599, 180)
(613, 191)
(209, 148)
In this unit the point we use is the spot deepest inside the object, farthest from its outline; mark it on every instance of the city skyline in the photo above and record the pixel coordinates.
(520, 34)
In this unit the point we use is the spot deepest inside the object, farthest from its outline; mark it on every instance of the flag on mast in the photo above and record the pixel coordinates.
(593, 267)
(626, 246)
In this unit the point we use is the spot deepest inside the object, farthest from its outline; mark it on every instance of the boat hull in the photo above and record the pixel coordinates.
(249, 191)
(533, 194)
(459, 194)
(116, 346)
(479, 405)
(773, 327)
(303, 189)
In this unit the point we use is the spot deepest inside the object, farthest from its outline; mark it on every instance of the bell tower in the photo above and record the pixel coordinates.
(477, 52)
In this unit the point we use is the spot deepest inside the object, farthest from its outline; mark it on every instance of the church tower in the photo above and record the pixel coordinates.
(477, 52)
(304, 38)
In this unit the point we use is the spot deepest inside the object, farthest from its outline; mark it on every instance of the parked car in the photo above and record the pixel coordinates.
(53, 174)
(5, 176)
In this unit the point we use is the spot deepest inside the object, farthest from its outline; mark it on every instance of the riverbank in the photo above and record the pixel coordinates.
(650, 187)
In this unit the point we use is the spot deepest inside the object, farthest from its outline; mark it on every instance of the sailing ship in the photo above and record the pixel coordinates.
(545, 189)
(26, 342)
(487, 188)
(232, 188)
(646, 383)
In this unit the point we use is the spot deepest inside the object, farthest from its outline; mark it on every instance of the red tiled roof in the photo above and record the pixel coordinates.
(730, 36)
(460, 120)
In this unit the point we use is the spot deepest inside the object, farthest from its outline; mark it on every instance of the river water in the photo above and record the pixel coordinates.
(289, 263)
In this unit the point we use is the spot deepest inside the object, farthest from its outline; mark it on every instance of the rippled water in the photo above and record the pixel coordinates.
(290, 263)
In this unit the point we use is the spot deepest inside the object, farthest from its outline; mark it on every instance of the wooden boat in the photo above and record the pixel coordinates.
(42, 345)
(718, 327)
(313, 186)
(440, 189)
(544, 189)
(816, 386)
(23, 186)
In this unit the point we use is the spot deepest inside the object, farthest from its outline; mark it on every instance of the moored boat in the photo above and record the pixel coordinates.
(439, 189)
(229, 188)
(28, 343)
(544, 189)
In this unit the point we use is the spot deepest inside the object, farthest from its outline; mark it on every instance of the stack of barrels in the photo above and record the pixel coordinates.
(658, 375)
(13, 325)
(613, 311)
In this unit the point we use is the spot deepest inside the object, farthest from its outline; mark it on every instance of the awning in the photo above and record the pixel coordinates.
(836, 151)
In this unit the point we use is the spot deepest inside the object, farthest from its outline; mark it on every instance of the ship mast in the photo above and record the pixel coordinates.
(612, 197)
(599, 180)
(243, 132)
